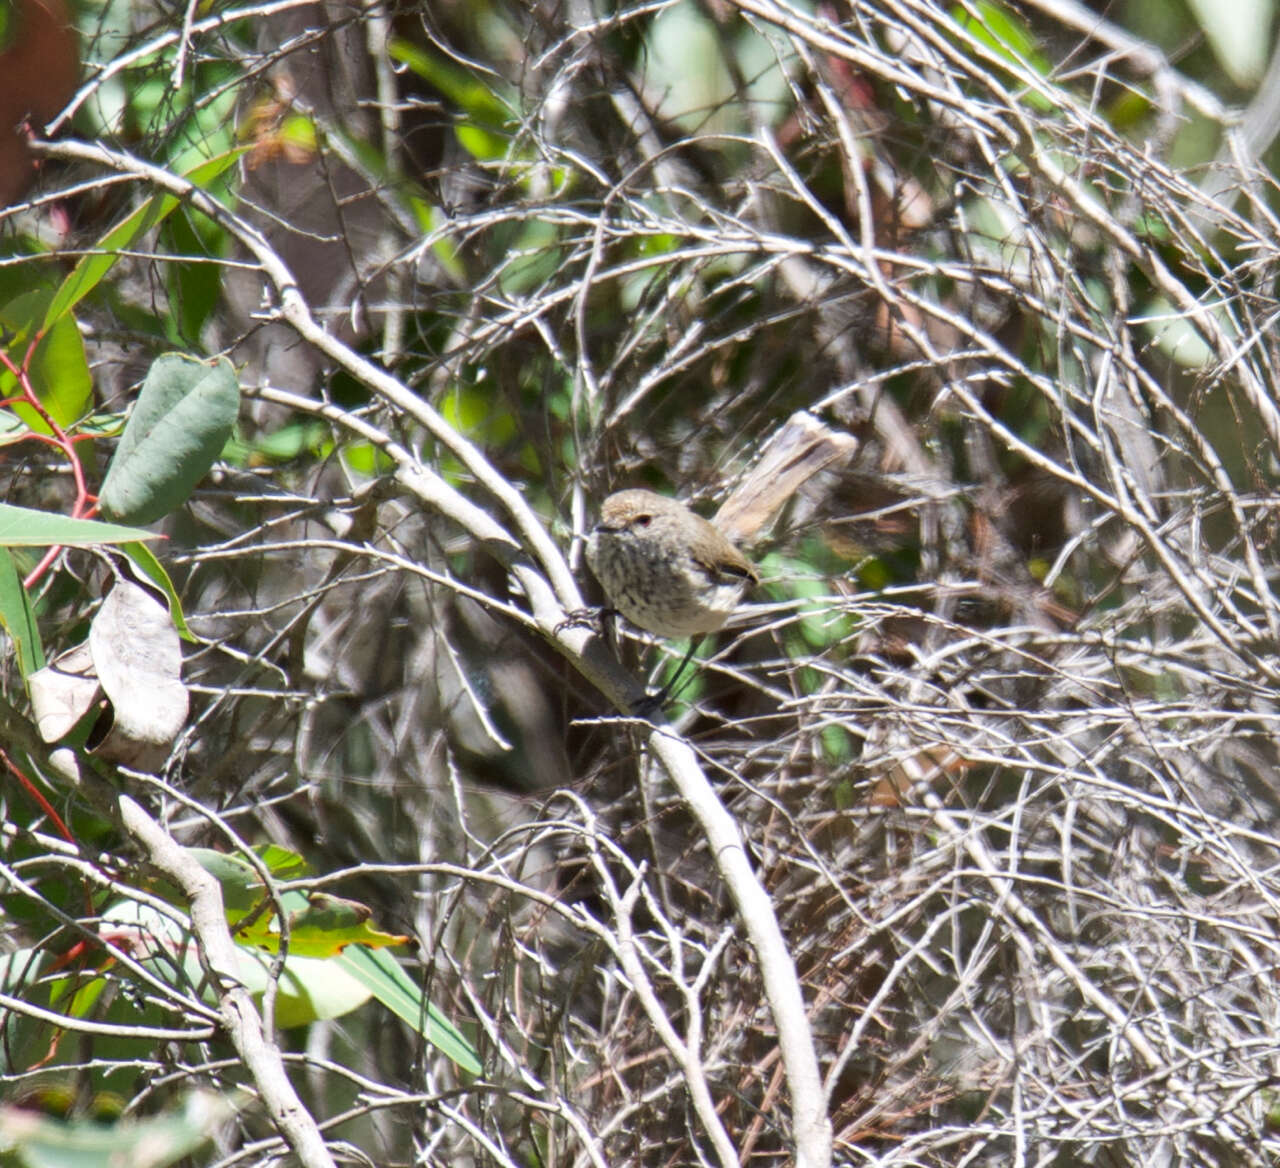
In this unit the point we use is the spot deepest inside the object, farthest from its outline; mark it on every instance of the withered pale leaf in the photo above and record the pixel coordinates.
(63, 692)
(139, 662)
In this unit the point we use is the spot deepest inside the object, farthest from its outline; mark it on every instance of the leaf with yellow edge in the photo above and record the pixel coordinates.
(319, 926)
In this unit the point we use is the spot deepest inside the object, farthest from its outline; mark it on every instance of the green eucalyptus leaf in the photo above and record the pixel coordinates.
(24, 527)
(58, 370)
(144, 559)
(18, 617)
(89, 272)
(379, 972)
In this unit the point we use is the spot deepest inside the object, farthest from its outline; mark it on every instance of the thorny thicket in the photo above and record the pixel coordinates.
(999, 728)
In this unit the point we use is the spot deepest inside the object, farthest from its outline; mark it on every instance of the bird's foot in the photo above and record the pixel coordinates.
(585, 618)
(651, 703)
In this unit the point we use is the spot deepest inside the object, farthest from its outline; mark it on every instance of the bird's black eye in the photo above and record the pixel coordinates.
(642, 521)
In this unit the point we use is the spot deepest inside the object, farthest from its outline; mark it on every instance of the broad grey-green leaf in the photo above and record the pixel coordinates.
(179, 425)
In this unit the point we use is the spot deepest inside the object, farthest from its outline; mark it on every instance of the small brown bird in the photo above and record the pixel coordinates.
(667, 570)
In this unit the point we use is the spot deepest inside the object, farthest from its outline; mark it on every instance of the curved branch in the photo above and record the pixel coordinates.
(240, 1019)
